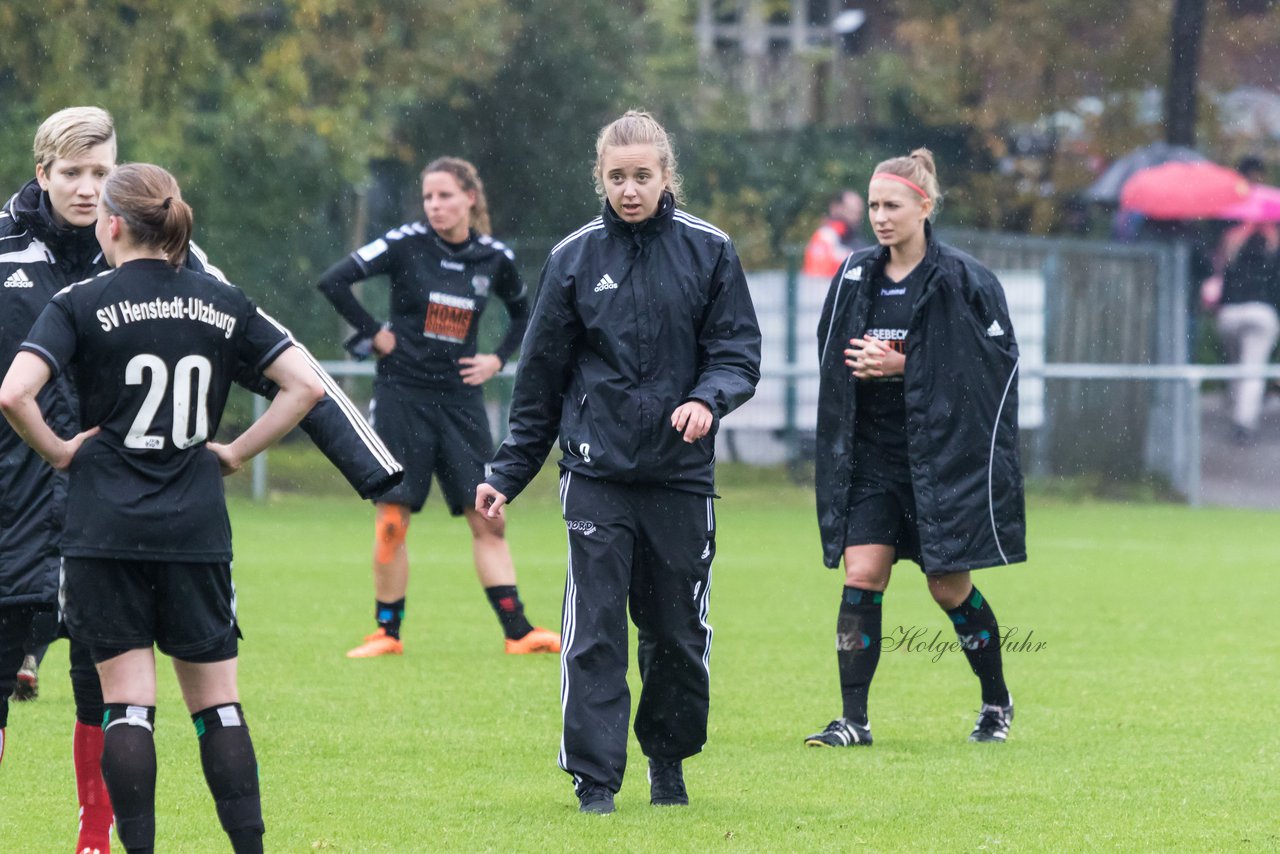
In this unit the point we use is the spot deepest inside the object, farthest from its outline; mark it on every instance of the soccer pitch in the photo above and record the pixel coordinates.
(1145, 691)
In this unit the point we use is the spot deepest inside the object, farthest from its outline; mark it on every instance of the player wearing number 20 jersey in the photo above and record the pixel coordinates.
(153, 351)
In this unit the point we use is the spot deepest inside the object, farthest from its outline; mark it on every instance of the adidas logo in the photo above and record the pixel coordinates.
(995, 330)
(19, 279)
(606, 283)
(706, 552)
(854, 274)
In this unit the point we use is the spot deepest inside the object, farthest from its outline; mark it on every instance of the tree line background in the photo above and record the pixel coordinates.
(297, 127)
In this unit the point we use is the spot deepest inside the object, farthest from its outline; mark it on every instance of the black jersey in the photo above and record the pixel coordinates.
(881, 424)
(438, 291)
(153, 352)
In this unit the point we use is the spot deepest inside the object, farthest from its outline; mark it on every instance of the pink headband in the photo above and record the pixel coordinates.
(901, 180)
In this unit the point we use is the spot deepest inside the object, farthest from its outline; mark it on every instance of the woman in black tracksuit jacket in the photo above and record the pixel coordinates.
(917, 439)
(643, 336)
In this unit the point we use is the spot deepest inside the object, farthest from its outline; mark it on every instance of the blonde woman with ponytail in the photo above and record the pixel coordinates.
(917, 440)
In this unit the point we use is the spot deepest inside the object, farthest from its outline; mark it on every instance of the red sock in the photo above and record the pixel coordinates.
(95, 805)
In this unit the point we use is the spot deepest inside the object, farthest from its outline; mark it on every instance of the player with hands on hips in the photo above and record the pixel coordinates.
(153, 348)
(428, 402)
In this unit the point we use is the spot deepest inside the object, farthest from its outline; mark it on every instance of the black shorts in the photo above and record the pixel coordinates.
(188, 610)
(433, 433)
(883, 512)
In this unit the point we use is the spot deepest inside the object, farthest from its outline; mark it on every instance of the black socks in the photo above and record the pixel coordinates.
(230, 769)
(389, 615)
(858, 648)
(979, 635)
(510, 610)
(129, 769)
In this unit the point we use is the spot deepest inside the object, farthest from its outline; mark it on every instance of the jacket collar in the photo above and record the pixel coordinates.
(641, 232)
(30, 208)
(881, 257)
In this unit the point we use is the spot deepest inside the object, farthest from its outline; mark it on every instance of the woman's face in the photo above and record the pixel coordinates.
(897, 212)
(633, 180)
(73, 184)
(447, 205)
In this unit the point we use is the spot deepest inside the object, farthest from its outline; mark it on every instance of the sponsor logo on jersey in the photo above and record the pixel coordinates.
(448, 317)
(456, 266)
(854, 274)
(175, 308)
(480, 284)
(585, 528)
(606, 283)
(995, 330)
(19, 279)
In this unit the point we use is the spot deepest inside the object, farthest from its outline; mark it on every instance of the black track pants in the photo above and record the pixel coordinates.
(651, 548)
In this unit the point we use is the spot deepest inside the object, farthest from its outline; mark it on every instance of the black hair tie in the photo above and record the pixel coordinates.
(167, 201)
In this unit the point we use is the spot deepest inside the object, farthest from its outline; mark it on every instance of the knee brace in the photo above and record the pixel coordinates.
(390, 528)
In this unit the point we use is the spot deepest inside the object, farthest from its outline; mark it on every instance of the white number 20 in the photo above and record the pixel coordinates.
(184, 433)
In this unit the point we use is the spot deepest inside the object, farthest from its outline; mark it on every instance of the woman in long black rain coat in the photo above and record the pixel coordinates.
(917, 439)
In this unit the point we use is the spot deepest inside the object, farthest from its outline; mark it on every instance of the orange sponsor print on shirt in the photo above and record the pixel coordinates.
(449, 317)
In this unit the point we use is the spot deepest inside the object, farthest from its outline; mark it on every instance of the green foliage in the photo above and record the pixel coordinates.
(452, 746)
(267, 113)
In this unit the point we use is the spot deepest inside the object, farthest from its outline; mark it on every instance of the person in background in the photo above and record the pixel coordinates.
(1244, 292)
(836, 237)
(644, 336)
(917, 441)
(428, 402)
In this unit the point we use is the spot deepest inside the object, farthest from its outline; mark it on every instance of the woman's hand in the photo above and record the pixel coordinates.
(227, 458)
(477, 369)
(694, 418)
(71, 447)
(384, 341)
(489, 501)
(1211, 293)
(871, 358)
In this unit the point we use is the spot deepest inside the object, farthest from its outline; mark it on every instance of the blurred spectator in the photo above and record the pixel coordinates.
(1244, 293)
(836, 237)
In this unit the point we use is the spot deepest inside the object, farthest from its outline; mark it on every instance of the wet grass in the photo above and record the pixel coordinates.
(1142, 717)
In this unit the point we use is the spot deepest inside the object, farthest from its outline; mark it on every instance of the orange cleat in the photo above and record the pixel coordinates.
(538, 640)
(378, 643)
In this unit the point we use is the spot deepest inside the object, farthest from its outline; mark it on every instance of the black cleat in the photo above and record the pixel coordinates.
(993, 723)
(594, 798)
(841, 732)
(666, 784)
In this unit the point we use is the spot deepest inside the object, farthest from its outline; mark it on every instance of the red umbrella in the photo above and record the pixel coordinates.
(1183, 191)
(1262, 204)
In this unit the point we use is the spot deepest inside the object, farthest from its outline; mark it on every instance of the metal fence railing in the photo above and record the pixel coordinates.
(1191, 379)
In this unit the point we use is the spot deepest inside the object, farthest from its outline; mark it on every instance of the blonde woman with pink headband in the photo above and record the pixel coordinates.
(917, 443)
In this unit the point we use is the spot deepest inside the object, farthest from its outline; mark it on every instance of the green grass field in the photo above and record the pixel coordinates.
(1146, 721)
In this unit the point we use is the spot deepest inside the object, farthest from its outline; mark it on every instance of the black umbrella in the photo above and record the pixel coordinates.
(1107, 188)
